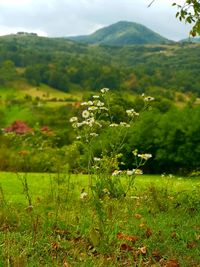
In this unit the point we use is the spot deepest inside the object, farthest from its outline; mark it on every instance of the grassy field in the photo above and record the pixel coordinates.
(44, 222)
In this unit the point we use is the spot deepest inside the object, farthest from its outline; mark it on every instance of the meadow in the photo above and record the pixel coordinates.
(49, 220)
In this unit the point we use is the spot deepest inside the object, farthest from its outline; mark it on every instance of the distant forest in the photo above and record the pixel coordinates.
(66, 65)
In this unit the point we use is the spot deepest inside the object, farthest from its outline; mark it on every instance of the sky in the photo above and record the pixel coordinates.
(62, 18)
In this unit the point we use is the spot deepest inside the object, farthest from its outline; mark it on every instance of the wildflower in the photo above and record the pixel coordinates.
(106, 191)
(130, 172)
(84, 104)
(103, 108)
(132, 113)
(145, 156)
(149, 98)
(99, 104)
(92, 108)
(90, 122)
(95, 96)
(85, 114)
(104, 90)
(73, 119)
(89, 103)
(78, 137)
(96, 159)
(116, 172)
(138, 171)
(94, 134)
(83, 194)
(124, 124)
(114, 125)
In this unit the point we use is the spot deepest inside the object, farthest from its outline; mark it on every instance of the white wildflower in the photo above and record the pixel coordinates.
(106, 191)
(116, 172)
(104, 90)
(99, 104)
(96, 159)
(89, 103)
(94, 134)
(124, 124)
(85, 114)
(145, 156)
(130, 172)
(138, 171)
(78, 137)
(83, 195)
(73, 119)
(103, 108)
(84, 104)
(90, 122)
(132, 113)
(149, 98)
(92, 108)
(95, 96)
(114, 125)
(79, 124)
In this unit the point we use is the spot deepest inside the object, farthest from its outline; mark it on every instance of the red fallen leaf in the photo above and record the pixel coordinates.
(172, 263)
(131, 238)
(148, 232)
(120, 235)
(126, 247)
(138, 216)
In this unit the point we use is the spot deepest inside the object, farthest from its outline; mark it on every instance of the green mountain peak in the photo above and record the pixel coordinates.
(123, 33)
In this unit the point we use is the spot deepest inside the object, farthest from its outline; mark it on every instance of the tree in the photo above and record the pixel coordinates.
(190, 13)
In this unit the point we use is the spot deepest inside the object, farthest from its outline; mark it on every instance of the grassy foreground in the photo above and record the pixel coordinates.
(44, 222)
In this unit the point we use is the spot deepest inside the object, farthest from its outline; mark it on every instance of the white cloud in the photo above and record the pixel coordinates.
(75, 17)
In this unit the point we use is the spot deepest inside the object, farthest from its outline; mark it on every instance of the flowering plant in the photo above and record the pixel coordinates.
(106, 170)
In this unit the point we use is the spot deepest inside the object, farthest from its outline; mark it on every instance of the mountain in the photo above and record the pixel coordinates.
(122, 33)
(190, 40)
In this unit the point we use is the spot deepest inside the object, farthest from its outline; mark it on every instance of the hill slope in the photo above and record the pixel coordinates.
(123, 33)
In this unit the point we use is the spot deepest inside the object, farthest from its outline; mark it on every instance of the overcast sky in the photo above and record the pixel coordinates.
(58, 18)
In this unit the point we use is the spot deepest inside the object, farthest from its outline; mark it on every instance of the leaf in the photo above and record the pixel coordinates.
(131, 238)
(148, 232)
(173, 234)
(66, 264)
(55, 246)
(125, 247)
(191, 244)
(156, 255)
(172, 263)
(138, 216)
(143, 250)
(142, 225)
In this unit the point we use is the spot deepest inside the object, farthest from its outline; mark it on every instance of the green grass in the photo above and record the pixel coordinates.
(157, 224)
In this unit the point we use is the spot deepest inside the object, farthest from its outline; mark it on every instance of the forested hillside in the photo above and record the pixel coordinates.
(123, 33)
(43, 81)
(66, 65)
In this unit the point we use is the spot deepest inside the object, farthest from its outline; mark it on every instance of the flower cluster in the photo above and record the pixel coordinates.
(132, 113)
(144, 156)
(127, 172)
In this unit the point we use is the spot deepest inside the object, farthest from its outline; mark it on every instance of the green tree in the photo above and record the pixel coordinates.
(189, 11)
